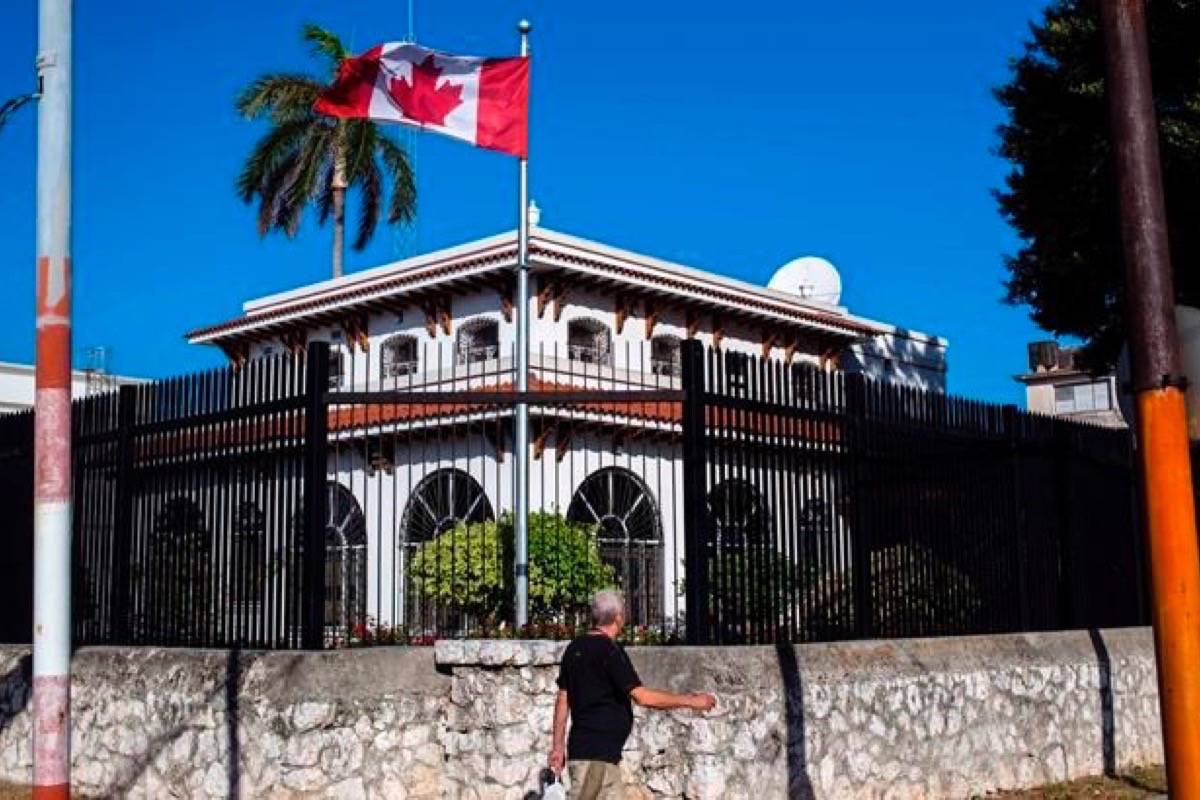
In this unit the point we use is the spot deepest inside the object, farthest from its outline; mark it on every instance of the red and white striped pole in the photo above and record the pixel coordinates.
(52, 407)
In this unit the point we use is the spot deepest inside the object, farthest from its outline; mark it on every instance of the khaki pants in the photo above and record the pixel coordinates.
(595, 780)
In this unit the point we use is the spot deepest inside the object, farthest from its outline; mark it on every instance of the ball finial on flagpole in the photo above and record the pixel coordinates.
(524, 27)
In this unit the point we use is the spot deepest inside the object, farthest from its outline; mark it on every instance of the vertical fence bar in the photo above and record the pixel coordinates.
(854, 421)
(316, 424)
(695, 528)
(123, 516)
(1013, 431)
(1066, 539)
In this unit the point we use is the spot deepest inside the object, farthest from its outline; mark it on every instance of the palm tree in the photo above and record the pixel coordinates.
(308, 157)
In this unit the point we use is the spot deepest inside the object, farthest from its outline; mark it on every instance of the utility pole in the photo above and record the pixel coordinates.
(52, 408)
(1159, 388)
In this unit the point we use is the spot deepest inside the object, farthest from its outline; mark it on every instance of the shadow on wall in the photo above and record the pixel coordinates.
(799, 785)
(1107, 721)
(231, 687)
(17, 684)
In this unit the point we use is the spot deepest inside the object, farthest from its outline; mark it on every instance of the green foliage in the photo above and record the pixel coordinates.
(751, 589)
(306, 158)
(1061, 196)
(470, 567)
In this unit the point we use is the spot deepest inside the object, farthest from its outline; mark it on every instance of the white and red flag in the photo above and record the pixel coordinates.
(484, 101)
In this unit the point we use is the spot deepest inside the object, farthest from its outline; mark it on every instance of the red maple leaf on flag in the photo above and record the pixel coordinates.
(423, 100)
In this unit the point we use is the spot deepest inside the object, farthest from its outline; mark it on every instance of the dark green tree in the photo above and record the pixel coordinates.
(1061, 195)
(308, 157)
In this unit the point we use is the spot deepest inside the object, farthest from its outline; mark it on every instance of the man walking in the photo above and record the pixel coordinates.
(596, 685)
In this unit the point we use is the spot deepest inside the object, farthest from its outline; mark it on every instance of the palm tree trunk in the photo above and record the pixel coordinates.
(339, 207)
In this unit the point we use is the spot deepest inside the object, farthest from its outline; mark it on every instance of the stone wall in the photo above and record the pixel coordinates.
(913, 718)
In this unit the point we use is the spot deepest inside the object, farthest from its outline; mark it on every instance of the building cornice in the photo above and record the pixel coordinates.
(397, 283)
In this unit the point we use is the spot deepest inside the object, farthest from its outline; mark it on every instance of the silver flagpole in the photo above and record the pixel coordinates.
(521, 433)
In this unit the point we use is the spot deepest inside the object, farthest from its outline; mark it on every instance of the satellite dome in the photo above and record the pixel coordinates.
(811, 278)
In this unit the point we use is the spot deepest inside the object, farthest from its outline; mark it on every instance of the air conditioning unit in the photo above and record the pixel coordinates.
(1043, 356)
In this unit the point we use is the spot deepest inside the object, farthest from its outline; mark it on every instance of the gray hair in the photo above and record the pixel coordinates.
(607, 605)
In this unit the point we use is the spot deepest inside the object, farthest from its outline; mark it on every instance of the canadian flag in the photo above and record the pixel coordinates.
(484, 101)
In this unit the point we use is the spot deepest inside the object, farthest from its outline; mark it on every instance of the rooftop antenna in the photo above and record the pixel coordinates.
(95, 370)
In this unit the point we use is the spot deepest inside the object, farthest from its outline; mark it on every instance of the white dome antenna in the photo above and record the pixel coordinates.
(811, 278)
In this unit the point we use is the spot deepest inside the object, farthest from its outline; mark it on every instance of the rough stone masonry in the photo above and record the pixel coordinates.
(471, 719)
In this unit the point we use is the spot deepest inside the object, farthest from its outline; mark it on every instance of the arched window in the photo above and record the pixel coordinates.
(337, 367)
(478, 340)
(440, 501)
(736, 369)
(248, 567)
(629, 530)
(664, 355)
(345, 560)
(589, 341)
(398, 356)
(178, 575)
(739, 515)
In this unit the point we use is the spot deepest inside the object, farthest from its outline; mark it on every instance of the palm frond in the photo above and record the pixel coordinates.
(324, 197)
(403, 204)
(279, 143)
(325, 43)
(271, 193)
(370, 188)
(281, 96)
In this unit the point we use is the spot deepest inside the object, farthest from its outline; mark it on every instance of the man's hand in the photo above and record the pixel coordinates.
(702, 701)
(558, 760)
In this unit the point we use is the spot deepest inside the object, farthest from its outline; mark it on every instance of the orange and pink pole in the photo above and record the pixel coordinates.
(1158, 381)
(52, 407)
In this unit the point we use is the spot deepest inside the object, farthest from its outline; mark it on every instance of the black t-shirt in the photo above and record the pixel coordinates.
(597, 676)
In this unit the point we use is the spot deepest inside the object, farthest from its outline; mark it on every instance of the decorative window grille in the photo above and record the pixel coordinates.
(398, 356)
(737, 372)
(664, 355)
(629, 531)
(249, 531)
(589, 341)
(478, 340)
(345, 561)
(739, 514)
(337, 368)
(440, 502)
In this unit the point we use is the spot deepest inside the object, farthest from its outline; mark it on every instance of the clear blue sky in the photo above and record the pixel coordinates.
(731, 136)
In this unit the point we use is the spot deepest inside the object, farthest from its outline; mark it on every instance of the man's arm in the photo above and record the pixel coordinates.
(664, 701)
(558, 749)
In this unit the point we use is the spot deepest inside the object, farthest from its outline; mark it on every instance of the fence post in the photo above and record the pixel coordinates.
(123, 523)
(1012, 431)
(316, 431)
(1066, 538)
(855, 421)
(695, 522)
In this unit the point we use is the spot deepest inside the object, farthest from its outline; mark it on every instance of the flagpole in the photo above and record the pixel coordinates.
(521, 432)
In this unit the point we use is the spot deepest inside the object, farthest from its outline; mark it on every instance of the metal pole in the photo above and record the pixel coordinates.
(1158, 384)
(52, 406)
(521, 432)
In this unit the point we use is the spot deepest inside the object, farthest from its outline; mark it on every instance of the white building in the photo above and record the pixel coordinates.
(1055, 386)
(17, 385)
(602, 318)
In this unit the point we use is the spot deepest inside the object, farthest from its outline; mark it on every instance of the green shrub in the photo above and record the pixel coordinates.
(470, 568)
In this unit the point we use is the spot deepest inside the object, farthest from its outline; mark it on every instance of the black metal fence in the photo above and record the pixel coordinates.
(16, 531)
(827, 505)
(351, 496)
(190, 519)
